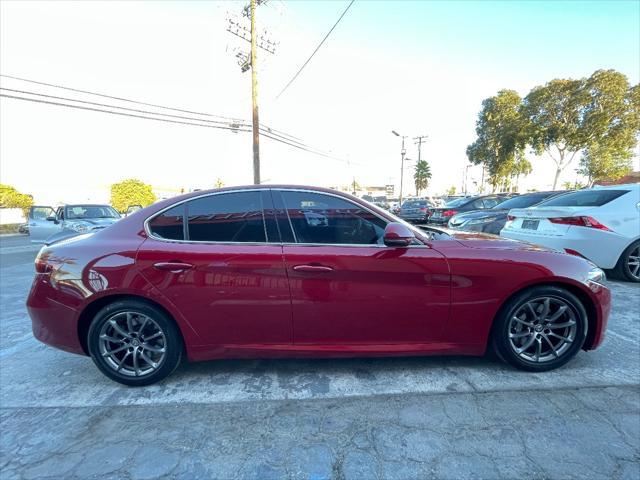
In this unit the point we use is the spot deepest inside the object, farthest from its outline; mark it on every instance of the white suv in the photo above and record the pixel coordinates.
(601, 224)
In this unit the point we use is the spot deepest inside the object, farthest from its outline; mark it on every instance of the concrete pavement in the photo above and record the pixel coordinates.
(359, 418)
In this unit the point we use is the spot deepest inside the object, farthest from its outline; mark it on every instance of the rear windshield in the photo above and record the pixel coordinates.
(415, 204)
(458, 201)
(584, 198)
(523, 201)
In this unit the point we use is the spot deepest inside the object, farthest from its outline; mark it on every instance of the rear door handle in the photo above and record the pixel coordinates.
(312, 268)
(174, 267)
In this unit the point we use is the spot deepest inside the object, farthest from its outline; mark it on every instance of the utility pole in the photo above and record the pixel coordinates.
(403, 151)
(419, 139)
(254, 98)
(248, 61)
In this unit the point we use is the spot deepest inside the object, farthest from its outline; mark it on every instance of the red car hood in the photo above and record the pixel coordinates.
(485, 240)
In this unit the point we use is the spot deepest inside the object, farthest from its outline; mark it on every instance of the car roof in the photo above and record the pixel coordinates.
(633, 186)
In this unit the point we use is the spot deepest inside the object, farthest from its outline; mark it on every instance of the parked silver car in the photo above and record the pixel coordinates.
(47, 225)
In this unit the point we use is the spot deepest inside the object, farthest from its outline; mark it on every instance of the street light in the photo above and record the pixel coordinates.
(403, 151)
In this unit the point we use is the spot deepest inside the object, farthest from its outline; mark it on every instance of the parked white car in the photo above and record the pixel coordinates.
(601, 224)
(47, 225)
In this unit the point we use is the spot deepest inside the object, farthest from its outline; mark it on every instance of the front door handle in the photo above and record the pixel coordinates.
(174, 267)
(312, 268)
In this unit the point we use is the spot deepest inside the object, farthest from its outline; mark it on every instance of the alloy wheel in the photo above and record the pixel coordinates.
(132, 344)
(633, 263)
(542, 329)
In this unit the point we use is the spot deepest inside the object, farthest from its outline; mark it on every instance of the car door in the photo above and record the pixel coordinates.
(39, 227)
(218, 259)
(347, 287)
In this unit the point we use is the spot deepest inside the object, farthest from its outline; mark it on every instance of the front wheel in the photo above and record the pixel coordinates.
(540, 329)
(134, 343)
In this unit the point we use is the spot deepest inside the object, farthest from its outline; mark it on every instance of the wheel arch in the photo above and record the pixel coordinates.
(90, 310)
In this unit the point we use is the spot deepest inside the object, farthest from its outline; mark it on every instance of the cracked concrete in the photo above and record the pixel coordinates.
(335, 419)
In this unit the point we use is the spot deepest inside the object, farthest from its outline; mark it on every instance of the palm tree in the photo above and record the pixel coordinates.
(422, 176)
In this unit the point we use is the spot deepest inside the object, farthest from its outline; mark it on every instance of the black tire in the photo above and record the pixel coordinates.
(622, 270)
(501, 331)
(171, 342)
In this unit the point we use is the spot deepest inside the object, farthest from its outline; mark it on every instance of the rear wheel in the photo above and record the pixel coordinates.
(628, 266)
(134, 343)
(540, 329)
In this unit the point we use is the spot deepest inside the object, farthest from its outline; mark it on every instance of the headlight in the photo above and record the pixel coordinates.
(596, 275)
(476, 221)
(78, 227)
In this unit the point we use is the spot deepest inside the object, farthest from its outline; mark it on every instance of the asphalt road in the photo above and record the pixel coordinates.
(398, 418)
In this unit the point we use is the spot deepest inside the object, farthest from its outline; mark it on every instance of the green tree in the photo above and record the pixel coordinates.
(11, 198)
(131, 192)
(598, 114)
(605, 163)
(421, 176)
(451, 190)
(573, 185)
(502, 136)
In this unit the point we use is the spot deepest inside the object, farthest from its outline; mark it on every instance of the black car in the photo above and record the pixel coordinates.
(493, 219)
(442, 215)
(415, 211)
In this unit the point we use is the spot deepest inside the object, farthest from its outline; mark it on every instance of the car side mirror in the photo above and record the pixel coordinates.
(51, 218)
(398, 235)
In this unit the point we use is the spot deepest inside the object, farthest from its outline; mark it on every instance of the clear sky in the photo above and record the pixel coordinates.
(421, 68)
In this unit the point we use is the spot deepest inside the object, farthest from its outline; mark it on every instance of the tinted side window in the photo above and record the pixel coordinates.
(584, 198)
(169, 224)
(319, 218)
(227, 217)
(477, 204)
(491, 202)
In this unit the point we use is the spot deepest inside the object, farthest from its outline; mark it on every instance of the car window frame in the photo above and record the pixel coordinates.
(267, 211)
(279, 191)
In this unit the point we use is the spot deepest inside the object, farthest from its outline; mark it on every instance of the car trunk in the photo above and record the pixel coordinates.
(537, 220)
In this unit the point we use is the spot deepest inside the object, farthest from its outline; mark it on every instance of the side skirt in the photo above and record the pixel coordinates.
(212, 352)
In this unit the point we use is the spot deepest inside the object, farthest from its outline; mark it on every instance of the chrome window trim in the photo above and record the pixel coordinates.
(306, 190)
(147, 230)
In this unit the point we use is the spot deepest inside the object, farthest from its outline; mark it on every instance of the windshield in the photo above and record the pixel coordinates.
(74, 212)
(457, 202)
(584, 198)
(521, 202)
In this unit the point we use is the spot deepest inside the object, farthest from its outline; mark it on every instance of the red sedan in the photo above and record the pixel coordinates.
(282, 271)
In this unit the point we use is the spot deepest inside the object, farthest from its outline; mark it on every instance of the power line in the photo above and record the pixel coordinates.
(79, 107)
(72, 89)
(121, 108)
(317, 48)
(113, 97)
(232, 126)
(146, 117)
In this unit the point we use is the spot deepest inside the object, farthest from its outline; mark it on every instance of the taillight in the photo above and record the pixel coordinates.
(42, 266)
(424, 209)
(510, 218)
(449, 213)
(571, 251)
(580, 222)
